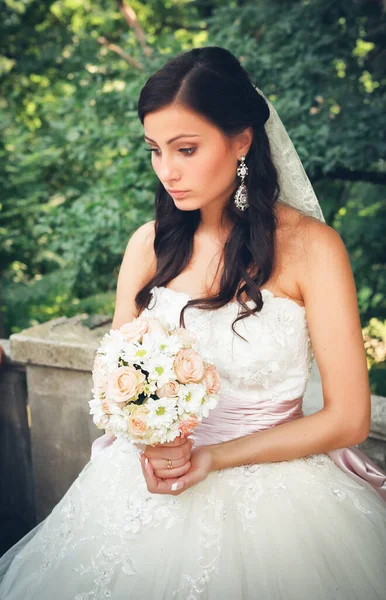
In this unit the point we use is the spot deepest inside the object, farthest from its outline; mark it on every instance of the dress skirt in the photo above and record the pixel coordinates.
(287, 530)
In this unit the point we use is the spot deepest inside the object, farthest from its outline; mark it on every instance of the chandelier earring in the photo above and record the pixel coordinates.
(241, 196)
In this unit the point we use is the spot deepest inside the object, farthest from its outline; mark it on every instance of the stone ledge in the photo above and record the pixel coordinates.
(67, 343)
(378, 417)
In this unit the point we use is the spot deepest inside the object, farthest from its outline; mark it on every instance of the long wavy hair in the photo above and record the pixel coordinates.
(212, 82)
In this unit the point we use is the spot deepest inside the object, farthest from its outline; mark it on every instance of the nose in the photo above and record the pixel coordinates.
(167, 171)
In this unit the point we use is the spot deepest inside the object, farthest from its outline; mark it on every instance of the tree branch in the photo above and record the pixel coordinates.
(132, 20)
(118, 50)
(347, 175)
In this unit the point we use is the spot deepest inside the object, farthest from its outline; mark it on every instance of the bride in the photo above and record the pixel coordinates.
(260, 501)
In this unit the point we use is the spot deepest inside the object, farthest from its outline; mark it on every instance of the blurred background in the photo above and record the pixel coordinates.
(76, 181)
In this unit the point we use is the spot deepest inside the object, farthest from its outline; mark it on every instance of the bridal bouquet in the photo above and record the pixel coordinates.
(151, 383)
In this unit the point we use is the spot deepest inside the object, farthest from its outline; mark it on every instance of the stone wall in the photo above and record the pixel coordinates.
(17, 505)
(58, 357)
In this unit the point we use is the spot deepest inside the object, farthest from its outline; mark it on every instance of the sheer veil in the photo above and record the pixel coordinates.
(295, 187)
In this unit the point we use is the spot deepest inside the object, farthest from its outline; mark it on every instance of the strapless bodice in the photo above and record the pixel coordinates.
(275, 361)
(264, 376)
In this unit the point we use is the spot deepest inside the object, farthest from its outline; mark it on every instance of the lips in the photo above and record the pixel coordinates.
(177, 193)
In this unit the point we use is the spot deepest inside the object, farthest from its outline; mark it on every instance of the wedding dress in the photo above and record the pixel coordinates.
(288, 530)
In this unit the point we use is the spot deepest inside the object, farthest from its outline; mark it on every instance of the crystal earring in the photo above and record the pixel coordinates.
(241, 196)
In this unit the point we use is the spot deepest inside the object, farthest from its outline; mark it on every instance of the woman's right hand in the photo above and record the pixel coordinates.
(178, 451)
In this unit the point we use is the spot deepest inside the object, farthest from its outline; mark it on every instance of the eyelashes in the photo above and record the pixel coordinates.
(186, 151)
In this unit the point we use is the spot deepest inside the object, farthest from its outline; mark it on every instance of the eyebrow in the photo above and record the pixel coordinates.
(174, 138)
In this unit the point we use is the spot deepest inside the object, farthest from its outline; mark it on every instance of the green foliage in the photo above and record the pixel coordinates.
(320, 63)
(75, 180)
(361, 221)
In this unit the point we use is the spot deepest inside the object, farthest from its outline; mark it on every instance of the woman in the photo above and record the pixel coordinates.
(261, 501)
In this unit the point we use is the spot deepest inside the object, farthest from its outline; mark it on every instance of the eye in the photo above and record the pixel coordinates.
(152, 150)
(186, 151)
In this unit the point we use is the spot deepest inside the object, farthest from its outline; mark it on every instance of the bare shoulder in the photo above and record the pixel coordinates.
(143, 236)
(319, 242)
(305, 240)
(137, 268)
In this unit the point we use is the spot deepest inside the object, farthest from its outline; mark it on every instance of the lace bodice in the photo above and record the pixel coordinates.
(274, 362)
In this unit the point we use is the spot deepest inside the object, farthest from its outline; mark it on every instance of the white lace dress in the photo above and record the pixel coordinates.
(287, 530)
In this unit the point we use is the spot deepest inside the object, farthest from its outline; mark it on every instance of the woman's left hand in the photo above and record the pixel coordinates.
(200, 467)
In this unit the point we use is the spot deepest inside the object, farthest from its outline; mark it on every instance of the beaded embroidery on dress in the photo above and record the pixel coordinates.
(274, 531)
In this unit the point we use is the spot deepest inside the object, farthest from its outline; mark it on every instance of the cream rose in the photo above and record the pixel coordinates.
(125, 384)
(211, 380)
(188, 424)
(135, 330)
(155, 326)
(188, 366)
(170, 390)
(187, 338)
(137, 422)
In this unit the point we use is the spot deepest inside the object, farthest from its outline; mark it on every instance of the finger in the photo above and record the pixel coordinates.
(154, 484)
(172, 473)
(159, 464)
(172, 452)
(176, 442)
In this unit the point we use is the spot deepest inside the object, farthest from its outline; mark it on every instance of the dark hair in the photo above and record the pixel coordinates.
(212, 82)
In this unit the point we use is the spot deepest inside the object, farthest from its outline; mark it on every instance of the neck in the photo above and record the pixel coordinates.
(212, 224)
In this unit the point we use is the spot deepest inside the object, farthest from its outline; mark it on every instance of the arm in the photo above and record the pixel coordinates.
(329, 293)
(138, 266)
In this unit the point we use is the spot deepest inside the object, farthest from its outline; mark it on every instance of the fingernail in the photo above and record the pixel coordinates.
(146, 461)
(177, 485)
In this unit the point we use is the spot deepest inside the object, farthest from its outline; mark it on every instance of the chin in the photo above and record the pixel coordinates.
(181, 205)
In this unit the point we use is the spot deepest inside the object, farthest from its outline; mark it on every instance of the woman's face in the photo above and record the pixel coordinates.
(192, 156)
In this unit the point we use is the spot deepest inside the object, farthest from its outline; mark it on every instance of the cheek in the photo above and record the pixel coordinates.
(216, 169)
(212, 168)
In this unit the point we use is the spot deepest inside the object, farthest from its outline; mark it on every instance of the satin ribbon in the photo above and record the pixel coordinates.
(230, 420)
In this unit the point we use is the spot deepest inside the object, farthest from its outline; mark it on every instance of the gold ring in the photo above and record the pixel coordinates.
(170, 464)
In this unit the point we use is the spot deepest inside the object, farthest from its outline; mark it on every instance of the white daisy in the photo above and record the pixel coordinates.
(134, 353)
(118, 423)
(160, 368)
(96, 409)
(171, 345)
(191, 397)
(162, 412)
(207, 404)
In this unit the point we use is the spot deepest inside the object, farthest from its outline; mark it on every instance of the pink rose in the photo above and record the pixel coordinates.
(135, 329)
(170, 390)
(125, 384)
(211, 380)
(188, 424)
(137, 422)
(188, 366)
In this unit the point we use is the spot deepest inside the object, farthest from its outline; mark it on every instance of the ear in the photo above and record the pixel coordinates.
(243, 142)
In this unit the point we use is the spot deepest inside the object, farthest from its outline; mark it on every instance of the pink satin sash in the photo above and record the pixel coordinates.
(229, 420)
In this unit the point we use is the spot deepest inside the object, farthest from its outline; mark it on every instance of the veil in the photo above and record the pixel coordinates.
(295, 187)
